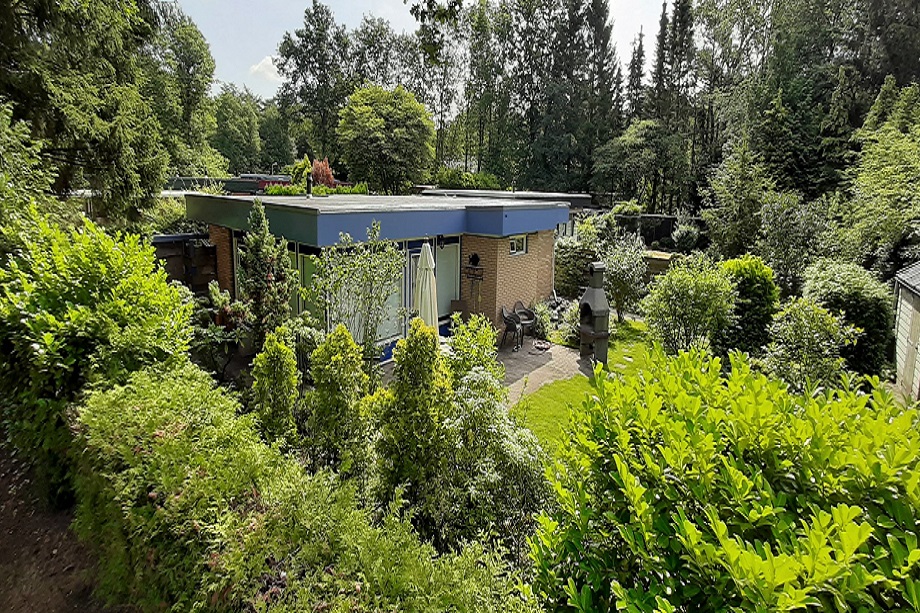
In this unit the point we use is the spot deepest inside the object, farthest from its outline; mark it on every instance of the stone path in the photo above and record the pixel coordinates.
(528, 370)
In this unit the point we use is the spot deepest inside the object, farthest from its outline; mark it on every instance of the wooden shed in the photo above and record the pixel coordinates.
(907, 330)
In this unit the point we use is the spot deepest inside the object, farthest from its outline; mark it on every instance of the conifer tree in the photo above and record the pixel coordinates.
(635, 90)
(660, 74)
(267, 278)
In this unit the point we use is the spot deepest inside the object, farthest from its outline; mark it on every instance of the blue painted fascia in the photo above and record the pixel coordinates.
(319, 228)
(394, 225)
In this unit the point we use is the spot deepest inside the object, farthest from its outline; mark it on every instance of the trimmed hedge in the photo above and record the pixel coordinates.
(689, 490)
(189, 510)
(756, 302)
(864, 302)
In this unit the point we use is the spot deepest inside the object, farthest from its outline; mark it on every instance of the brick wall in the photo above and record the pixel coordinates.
(527, 277)
(480, 296)
(222, 239)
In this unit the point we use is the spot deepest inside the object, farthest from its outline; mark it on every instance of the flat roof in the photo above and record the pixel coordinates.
(572, 199)
(318, 221)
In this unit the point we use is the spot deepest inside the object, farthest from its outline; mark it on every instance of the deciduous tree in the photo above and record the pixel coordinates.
(386, 138)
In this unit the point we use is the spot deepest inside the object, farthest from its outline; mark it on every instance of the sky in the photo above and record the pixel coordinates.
(244, 34)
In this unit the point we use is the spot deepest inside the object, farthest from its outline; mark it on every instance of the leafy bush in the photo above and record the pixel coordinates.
(756, 301)
(472, 345)
(336, 433)
(300, 169)
(685, 237)
(806, 344)
(572, 257)
(690, 304)
(411, 451)
(627, 207)
(166, 216)
(624, 279)
(543, 321)
(267, 277)
(276, 384)
(322, 173)
(454, 178)
(687, 490)
(464, 468)
(78, 308)
(25, 181)
(358, 188)
(219, 328)
(189, 510)
(570, 327)
(285, 190)
(304, 336)
(739, 187)
(791, 233)
(352, 284)
(863, 301)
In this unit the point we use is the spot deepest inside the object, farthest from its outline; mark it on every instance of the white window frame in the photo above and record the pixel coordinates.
(512, 249)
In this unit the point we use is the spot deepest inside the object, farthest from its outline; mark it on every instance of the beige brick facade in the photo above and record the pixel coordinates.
(222, 239)
(527, 277)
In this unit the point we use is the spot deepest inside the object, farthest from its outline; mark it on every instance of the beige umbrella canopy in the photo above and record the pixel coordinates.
(425, 296)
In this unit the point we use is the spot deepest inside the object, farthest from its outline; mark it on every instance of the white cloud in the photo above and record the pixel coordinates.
(266, 70)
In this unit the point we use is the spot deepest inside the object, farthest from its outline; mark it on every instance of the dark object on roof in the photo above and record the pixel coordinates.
(910, 278)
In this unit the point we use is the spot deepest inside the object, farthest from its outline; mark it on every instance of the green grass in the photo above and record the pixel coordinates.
(546, 411)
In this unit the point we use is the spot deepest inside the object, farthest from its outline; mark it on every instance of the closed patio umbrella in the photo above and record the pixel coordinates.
(425, 296)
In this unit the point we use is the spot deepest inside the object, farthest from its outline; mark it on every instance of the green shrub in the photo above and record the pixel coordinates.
(543, 322)
(687, 490)
(336, 433)
(285, 190)
(465, 469)
(268, 280)
(624, 279)
(357, 188)
(188, 510)
(569, 331)
(472, 345)
(304, 336)
(276, 385)
(219, 327)
(863, 301)
(78, 308)
(689, 305)
(791, 233)
(756, 301)
(572, 257)
(627, 207)
(806, 344)
(454, 178)
(411, 451)
(165, 216)
(685, 237)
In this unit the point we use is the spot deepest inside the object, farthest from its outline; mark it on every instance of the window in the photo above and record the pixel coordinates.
(518, 244)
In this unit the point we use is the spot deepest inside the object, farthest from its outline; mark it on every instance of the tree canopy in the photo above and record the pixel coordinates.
(387, 137)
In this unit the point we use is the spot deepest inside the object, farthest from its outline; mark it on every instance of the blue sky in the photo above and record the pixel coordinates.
(244, 34)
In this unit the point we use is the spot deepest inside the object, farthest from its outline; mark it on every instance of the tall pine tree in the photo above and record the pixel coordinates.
(661, 72)
(635, 88)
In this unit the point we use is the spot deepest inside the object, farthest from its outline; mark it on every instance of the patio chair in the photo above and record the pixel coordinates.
(526, 316)
(512, 325)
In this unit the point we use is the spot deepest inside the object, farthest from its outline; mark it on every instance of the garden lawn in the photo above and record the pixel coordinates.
(546, 411)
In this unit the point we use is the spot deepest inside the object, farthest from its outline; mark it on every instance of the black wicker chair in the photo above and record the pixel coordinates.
(526, 316)
(514, 326)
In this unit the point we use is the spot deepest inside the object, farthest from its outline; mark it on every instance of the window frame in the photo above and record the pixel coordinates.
(512, 247)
